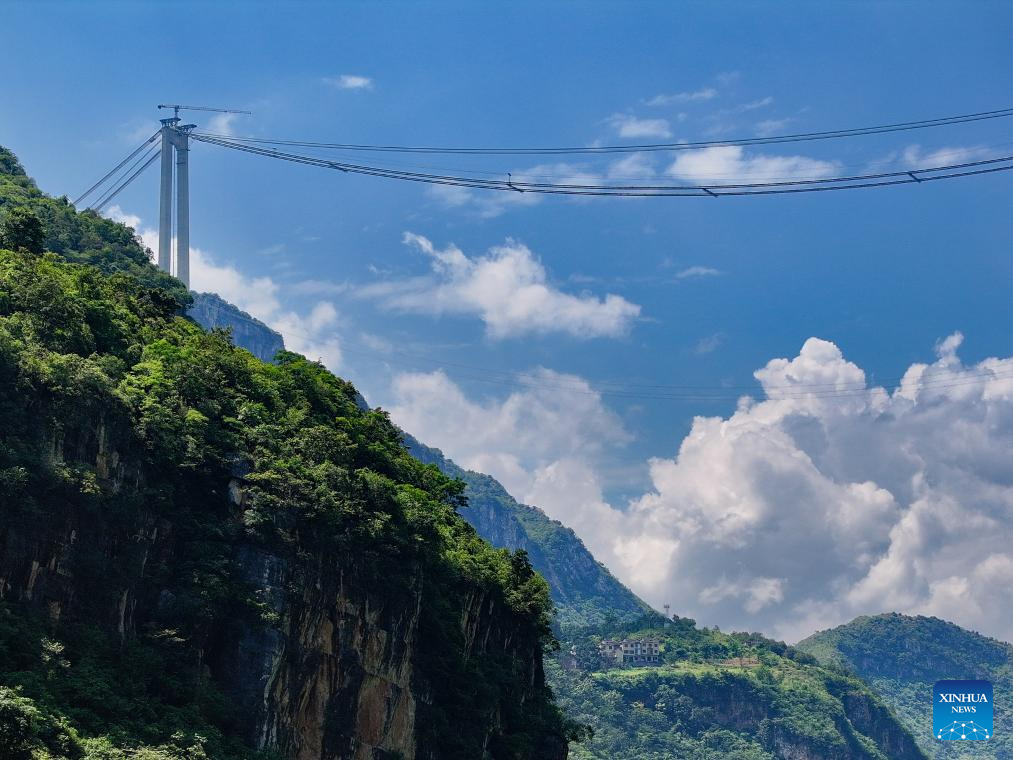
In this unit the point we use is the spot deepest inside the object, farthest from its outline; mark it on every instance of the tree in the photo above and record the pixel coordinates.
(9, 163)
(21, 228)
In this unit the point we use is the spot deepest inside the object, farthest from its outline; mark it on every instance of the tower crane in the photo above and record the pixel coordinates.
(177, 107)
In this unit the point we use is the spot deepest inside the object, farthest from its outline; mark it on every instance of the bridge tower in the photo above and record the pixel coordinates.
(176, 145)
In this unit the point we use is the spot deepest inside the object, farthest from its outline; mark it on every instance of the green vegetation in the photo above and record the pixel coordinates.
(22, 229)
(901, 657)
(81, 238)
(583, 590)
(718, 695)
(123, 418)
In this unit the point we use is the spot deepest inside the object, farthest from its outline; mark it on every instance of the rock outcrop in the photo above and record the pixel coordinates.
(211, 310)
(334, 677)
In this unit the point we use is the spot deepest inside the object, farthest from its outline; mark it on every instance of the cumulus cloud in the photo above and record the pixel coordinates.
(916, 157)
(350, 82)
(507, 288)
(731, 163)
(826, 499)
(706, 93)
(541, 441)
(312, 332)
(635, 166)
(629, 126)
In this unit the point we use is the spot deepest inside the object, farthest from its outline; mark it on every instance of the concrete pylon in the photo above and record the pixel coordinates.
(183, 207)
(165, 197)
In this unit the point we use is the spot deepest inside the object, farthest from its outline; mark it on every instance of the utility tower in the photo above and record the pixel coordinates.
(176, 144)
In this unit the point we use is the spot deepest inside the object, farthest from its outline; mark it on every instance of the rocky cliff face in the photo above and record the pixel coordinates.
(202, 555)
(334, 677)
(210, 310)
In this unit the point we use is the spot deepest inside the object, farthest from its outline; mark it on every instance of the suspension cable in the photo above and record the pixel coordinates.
(905, 126)
(881, 179)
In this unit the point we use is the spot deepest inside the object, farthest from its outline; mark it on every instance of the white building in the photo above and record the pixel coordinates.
(643, 651)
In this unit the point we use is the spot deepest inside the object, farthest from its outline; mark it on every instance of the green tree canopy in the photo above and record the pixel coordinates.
(22, 228)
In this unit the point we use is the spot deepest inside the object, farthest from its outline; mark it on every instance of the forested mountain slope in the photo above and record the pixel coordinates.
(901, 657)
(203, 555)
(584, 591)
(719, 696)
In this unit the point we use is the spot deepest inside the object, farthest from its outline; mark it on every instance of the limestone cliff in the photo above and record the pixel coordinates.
(336, 677)
(210, 310)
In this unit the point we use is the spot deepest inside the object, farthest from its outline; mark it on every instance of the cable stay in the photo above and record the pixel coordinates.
(148, 159)
(115, 168)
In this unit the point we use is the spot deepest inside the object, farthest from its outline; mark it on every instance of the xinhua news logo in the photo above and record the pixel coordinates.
(962, 710)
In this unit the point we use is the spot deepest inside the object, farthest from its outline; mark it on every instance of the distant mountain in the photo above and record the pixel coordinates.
(901, 657)
(718, 696)
(584, 590)
(210, 310)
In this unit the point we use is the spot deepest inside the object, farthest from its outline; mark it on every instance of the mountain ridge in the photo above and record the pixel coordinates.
(583, 589)
(902, 656)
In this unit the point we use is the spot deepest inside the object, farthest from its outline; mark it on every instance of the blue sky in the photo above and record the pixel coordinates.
(703, 291)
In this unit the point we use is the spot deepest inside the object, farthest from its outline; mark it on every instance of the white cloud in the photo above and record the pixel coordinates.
(508, 289)
(491, 203)
(914, 157)
(135, 131)
(628, 126)
(221, 123)
(697, 271)
(730, 163)
(706, 93)
(769, 127)
(311, 332)
(825, 500)
(635, 166)
(709, 344)
(318, 288)
(541, 441)
(754, 104)
(350, 82)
